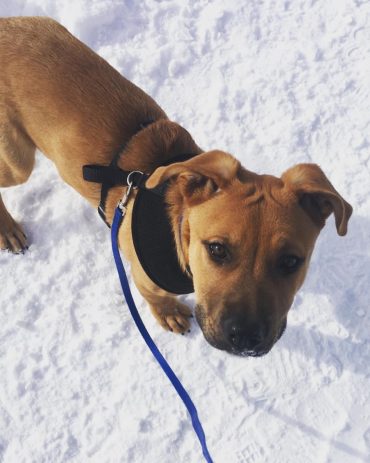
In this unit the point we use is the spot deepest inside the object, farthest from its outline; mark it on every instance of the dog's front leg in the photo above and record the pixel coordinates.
(171, 314)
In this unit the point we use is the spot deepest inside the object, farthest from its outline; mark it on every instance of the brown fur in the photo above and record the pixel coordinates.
(59, 96)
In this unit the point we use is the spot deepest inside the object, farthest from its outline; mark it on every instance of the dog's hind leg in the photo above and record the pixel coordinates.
(17, 158)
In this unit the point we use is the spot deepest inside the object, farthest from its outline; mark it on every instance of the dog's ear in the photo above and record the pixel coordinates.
(317, 195)
(199, 177)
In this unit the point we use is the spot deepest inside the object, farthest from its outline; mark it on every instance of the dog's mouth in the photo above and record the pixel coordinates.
(217, 341)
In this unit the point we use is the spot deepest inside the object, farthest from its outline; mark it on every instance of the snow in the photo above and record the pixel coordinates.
(275, 83)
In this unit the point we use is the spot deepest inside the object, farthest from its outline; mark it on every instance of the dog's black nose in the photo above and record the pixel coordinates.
(242, 336)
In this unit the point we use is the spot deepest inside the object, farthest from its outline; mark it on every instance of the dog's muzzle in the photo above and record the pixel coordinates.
(239, 338)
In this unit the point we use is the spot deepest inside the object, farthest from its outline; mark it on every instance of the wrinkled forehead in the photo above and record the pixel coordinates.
(253, 211)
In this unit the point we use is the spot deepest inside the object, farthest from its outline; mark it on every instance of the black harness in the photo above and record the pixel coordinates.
(151, 229)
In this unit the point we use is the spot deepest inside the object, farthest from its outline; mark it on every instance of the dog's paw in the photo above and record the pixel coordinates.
(175, 317)
(12, 237)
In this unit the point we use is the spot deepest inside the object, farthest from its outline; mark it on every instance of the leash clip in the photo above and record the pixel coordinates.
(130, 186)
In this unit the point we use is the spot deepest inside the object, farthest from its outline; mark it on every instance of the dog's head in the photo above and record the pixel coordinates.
(248, 240)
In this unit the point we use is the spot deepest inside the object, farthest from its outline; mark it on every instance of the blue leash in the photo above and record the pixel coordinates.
(118, 216)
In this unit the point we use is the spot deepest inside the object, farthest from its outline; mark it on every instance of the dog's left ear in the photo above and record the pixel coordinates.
(317, 195)
(199, 177)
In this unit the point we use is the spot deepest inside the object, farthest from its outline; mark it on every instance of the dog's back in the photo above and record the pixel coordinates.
(52, 79)
(58, 95)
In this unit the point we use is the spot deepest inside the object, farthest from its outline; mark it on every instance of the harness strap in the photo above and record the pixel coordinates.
(149, 341)
(112, 175)
(109, 176)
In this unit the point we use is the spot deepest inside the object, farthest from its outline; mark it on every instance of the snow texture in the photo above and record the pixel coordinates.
(275, 83)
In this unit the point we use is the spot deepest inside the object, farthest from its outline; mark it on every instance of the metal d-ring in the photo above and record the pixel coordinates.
(130, 186)
(130, 182)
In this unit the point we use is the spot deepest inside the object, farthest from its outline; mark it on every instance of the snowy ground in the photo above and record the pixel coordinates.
(275, 83)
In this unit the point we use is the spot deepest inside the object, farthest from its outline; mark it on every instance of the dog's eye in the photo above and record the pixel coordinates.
(289, 263)
(217, 251)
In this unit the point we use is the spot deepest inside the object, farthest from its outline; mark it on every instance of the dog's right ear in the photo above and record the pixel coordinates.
(199, 177)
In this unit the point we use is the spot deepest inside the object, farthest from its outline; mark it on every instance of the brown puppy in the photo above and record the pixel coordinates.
(247, 238)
